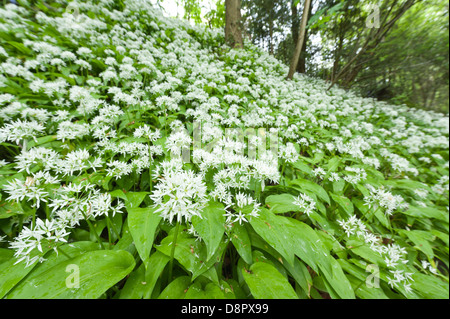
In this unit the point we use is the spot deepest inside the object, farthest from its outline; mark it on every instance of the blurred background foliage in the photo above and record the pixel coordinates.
(405, 62)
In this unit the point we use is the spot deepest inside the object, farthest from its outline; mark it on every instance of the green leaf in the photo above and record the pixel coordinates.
(427, 212)
(41, 140)
(211, 291)
(98, 271)
(126, 242)
(333, 164)
(430, 287)
(302, 166)
(301, 275)
(422, 241)
(8, 209)
(135, 199)
(20, 47)
(11, 274)
(280, 204)
(211, 226)
(363, 291)
(272, 229)
(310, 186)
(64, 252)
(344, 202)
(338, 187)
(190, 253)
(265, 282)
(242, 243)
(406, 184)
(176, 289)
(311, 249)
(156, 265)
(6, 254)
(118, 193)
(135, 285)
(143, 223)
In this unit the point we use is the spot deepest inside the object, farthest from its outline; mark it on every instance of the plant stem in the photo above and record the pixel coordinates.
(91, 227)
(112, 226)
(172, 253)
(282, 173)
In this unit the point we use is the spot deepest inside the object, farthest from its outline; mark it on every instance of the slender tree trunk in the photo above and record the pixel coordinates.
(271, 37)
(301, 39)
(295, 25)
(301, 67)
(337, 58)
(233, 29)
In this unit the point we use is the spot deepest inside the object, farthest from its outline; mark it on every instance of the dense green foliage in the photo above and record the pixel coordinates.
(107, 191)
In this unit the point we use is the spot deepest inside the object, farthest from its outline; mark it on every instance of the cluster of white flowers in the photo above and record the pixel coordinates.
(305, 203)
(118, 103)
(241, 209)
(427, 266)
(179, 193)
(32, 189)
(39, 237)
(393, 254)
(382, 198)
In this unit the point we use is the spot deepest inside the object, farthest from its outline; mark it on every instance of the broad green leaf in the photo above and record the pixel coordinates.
(190, 253)
(311, 186)
(302, 166)
(333, 164)
(176, 289)
(337, 281)
(8, 209)
(135, 285)
(272, 229)
(126, 242)
(344, 202)
(6, 254)
(407, 184)
(41, 140)
(280, 204)
(11, 274)
(427, 212)
(211, 226)
(422, 240)
(211, 291)
(98, 271)
(156, 265)
(338, 187)
(265, 282)
(363, 291)
(430, 287)
(65, 252)
(242, 243)
(301, 275)
(313, 252)
(135, 199)
(119, 193)
(143, 223)
(361, 249)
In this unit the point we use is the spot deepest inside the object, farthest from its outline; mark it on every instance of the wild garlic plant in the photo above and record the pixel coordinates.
(143, 150)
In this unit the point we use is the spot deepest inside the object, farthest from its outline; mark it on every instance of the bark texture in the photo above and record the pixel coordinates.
(233, 27)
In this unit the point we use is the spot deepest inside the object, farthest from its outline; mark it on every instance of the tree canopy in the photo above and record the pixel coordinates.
(395, 51)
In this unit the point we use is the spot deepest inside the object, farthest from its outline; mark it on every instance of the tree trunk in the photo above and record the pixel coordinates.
(301, 68)
(271, 50)
(233, 29)
(301, 39)
(337, 58)
(295, 25)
